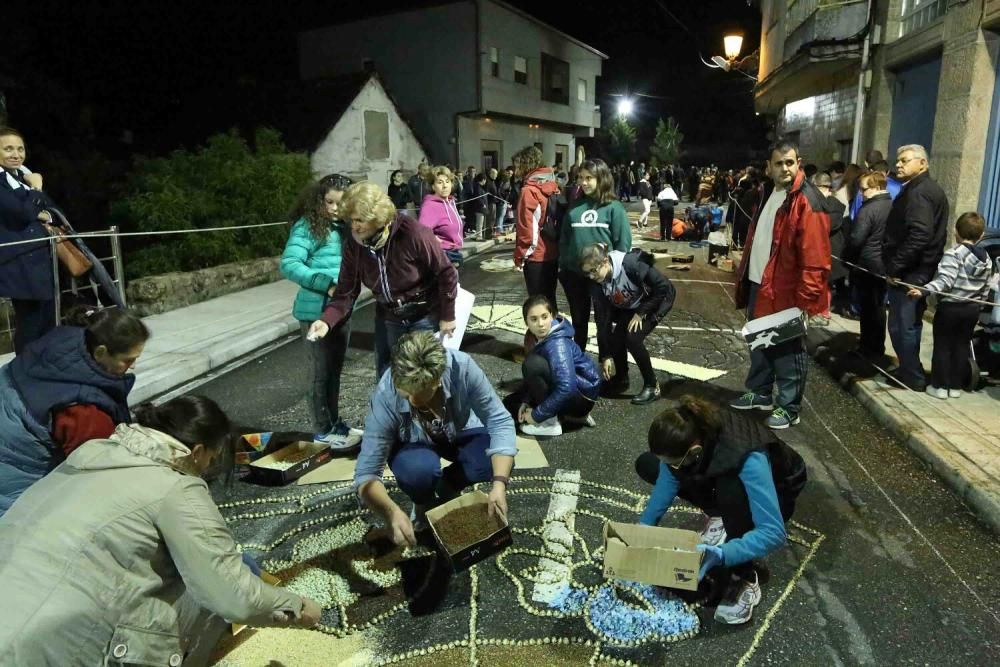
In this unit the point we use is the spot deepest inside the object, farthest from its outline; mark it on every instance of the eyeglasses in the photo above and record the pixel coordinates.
(679, 464)
(593, 271)
(903, 161)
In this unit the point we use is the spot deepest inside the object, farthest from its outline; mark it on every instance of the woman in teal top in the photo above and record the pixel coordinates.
(312, 261)
(597, 217)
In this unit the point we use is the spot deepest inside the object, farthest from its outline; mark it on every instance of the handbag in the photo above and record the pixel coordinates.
(72, 259)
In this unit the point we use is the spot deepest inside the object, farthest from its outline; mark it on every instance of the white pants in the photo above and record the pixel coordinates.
(644, 218)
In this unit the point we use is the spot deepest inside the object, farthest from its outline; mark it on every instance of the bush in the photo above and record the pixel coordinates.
(224, 184)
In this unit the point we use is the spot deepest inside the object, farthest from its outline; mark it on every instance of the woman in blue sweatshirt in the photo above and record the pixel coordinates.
(733, 468)
(312, 261)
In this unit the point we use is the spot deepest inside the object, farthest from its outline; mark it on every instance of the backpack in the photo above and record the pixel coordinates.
(555, 211)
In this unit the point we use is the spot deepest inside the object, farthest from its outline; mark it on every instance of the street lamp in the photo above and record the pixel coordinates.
(625, 108)
(732, 45)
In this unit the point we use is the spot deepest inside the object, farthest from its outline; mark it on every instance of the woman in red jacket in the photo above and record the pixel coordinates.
(533, 253)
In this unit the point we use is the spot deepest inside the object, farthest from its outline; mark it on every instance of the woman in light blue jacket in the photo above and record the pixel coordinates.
(312, 260)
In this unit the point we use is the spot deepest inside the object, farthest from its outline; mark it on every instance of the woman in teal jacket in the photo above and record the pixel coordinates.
(312, 260)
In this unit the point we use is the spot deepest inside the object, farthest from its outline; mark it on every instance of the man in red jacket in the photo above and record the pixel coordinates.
(785, 264)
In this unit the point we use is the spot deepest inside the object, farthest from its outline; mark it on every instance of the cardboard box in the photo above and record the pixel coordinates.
(652, 555)
(267, 578)
(474, 553)
(307, 456)
(768, 331)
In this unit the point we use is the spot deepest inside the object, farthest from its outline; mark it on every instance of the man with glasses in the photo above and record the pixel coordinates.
(785, 264)
(915, 235)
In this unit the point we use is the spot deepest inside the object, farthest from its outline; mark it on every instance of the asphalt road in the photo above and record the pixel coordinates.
(902, 573)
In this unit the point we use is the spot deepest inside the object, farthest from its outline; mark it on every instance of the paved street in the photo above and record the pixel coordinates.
(886, 566)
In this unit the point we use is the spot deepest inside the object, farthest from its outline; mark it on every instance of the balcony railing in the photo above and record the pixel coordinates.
(799, 10)
(919, 13)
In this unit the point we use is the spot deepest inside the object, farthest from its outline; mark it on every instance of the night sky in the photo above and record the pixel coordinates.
(173, 73)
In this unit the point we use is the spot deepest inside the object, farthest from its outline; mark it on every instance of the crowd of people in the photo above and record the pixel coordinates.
(154, 568)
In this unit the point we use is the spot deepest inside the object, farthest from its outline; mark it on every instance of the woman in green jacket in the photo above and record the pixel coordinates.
(597, 217)
(312, 261)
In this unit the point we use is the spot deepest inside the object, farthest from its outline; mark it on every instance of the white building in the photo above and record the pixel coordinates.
(478, 79)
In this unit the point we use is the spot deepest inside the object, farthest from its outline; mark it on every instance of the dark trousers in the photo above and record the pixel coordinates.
(326, 361)
(782, 366)
(953, 327)
(666, 220)
(538, 385)
(417, 466)
(577, 289)
(906, 322)
(724, 497)
(389, 331)
(870, 292)
(540, 278)
(32, 320)
(624, 342)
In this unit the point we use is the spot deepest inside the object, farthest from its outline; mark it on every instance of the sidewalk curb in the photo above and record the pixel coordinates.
(160, 380)
(962, 476)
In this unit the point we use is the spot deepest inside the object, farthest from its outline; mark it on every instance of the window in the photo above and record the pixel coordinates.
(555, 80)
(495, 61)
(376, 135)
(520, 70)
(919, 13)
(581, 90)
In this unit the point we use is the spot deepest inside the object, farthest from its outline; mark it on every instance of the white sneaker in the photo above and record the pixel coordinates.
(936, 392)
(590, 422)
(549, 427)
(954, 393)
(714, 532)
(740, 609)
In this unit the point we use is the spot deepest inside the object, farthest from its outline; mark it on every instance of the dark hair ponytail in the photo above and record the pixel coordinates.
(117, 330)
(192, 420)
(674, 430)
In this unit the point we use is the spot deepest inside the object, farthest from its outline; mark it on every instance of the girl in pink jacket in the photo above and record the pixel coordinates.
(438, 211)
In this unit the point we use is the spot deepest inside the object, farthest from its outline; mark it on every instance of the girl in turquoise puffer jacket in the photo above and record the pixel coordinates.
(312, 261)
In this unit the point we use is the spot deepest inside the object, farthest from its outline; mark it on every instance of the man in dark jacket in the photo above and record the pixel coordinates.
(785, 264)
(915, 235)
(418, 185)
(864, 248)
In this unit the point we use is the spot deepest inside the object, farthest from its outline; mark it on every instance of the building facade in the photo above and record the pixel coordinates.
(477, 79)
(889, 72)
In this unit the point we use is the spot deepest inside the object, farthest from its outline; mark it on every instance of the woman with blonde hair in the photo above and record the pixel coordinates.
(439, 213)
(401, 262)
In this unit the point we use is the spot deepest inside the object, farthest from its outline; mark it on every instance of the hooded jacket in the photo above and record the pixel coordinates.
(53, 373)
(572, 370)
(441, 217)
(313, 265)
(964, 271)
(864, 246)
(532, 207)
(799, 262)
(916, 231)
(409, 267)
(117, 556)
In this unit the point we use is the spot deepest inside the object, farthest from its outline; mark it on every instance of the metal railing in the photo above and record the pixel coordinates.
(917, 14)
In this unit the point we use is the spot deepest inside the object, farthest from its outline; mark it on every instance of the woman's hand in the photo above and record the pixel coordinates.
(447, 327)
(402, 529)
(635, 324)
(34, 180)
(318, 329)
(45, 216)
(498, 501)
(524, 415)
(309, 617)
(608, 368)
(331, 289)
(914, 293)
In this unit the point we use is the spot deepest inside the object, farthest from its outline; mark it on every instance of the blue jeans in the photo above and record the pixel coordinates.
(501, 209)
(388, 332)
(783, 366)
(417, 465)
(906, 322)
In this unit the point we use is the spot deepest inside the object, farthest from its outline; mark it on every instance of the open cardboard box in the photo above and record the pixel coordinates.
(652, 555)
(307, 456)
(267, 578)
(481, 550)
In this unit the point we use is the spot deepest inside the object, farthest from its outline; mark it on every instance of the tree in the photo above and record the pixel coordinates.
(621, 141)
(226, 183)
(666, 148)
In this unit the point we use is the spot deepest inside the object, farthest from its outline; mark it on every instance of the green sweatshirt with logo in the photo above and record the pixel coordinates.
(588, 223)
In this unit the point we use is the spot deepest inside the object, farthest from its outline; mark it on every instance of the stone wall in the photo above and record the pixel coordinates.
(821, 123)
(158, 294)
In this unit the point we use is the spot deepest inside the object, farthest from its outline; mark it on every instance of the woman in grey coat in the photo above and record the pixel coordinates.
(120, 556)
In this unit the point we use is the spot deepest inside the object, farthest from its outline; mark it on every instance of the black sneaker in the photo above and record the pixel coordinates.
(647, 395)
(614, 388)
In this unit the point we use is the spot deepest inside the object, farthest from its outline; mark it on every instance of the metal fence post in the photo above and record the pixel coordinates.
(55, 279)
(119, 265)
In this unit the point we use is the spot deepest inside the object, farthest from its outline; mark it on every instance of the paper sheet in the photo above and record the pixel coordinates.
(464, 301)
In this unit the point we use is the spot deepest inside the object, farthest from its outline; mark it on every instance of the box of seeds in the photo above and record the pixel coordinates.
(289, 463)
(465, 532)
